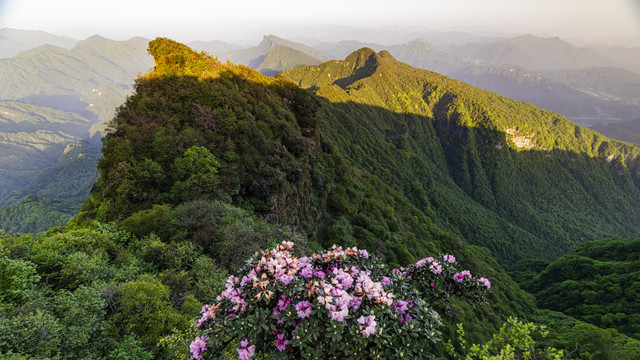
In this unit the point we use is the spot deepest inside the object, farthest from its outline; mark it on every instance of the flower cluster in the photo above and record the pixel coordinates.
(340, 301)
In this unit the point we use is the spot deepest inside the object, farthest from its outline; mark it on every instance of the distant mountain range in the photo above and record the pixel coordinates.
(13, 41)
(58, 91)
(56, 94)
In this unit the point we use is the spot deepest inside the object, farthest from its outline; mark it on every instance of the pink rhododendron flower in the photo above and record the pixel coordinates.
(400, 306)
(341, 282)
(355, 302)
(205, 315)
(283, 303)
(281, 342)
(198, 346)
(435, 268)
(339, 315)
(306, 272)
(245, 352)
(367, 325)
(304, 309)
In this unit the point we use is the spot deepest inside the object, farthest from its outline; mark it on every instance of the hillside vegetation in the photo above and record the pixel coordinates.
(598, 282)
(208, 163)
(228, 135)
(500, 173)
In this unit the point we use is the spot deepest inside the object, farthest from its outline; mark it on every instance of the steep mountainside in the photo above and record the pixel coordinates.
(586, 95)
(198, 134)
(598, 282)
(504, 174)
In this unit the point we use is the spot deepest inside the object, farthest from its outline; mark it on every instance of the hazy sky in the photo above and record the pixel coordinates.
(241, 20)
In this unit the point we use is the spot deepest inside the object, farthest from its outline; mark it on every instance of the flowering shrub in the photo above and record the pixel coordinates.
(339, 304)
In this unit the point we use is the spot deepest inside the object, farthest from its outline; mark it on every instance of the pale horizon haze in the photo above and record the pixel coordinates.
(247, 20)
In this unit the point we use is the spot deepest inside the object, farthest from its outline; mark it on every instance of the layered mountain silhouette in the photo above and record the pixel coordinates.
(14, 41)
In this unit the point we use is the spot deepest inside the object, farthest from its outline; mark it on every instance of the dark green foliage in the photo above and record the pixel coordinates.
(599, 283)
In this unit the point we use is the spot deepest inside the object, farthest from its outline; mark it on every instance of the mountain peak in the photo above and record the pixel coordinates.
(172, 57)
(364, 57)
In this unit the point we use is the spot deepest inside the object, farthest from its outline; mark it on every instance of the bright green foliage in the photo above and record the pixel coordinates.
(176, 345)
(90, 292)
(17, 280)
(514, 341)
(130, 349)
(145, 310)
(599, 283)
(581, 340)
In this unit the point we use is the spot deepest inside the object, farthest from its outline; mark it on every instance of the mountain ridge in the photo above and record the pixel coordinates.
(469, 136)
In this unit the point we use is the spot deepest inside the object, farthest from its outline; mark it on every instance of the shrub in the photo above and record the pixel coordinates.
(342, 303)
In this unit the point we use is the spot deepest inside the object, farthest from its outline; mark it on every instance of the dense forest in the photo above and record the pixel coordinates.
(208, 163)
(598, 282)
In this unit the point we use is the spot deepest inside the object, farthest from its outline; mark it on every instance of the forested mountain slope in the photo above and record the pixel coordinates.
(197, 129)
(501, 173)
(598, 282)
